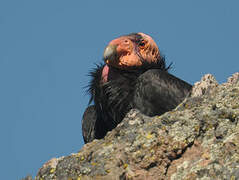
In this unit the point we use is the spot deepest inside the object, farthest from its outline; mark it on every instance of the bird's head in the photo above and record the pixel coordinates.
(136, 51)
(131, 51)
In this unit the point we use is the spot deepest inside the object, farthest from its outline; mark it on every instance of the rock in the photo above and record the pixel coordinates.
(207, 83)
(233, 79)
(197, 140)
(28, 178)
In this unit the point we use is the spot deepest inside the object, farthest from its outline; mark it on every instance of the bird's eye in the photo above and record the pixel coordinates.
(142, 44)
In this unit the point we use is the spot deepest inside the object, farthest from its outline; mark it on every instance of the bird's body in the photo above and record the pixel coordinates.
(134, 76)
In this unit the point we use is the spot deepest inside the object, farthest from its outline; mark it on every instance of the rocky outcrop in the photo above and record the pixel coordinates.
(197, 140)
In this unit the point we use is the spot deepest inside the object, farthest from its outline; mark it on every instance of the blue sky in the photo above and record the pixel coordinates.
(47, 48)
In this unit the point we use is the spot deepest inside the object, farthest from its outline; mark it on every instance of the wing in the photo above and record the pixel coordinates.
(93, 126)
(89, 123)
(158, 91)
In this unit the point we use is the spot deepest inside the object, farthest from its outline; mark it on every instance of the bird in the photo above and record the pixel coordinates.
(133, 75)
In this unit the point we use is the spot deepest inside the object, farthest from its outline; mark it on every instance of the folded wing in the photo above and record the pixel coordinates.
(158, 91)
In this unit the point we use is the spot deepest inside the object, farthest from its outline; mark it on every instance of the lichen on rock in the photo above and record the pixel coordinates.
(197, 140)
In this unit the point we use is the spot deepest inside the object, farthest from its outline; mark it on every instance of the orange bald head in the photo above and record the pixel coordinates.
(131, 51)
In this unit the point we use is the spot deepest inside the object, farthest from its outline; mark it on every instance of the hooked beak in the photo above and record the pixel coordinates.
(110, 53)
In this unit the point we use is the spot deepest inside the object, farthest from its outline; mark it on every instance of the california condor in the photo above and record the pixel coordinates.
(134, 75)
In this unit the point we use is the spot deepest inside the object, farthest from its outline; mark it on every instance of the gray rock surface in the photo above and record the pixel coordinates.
(197, 140)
